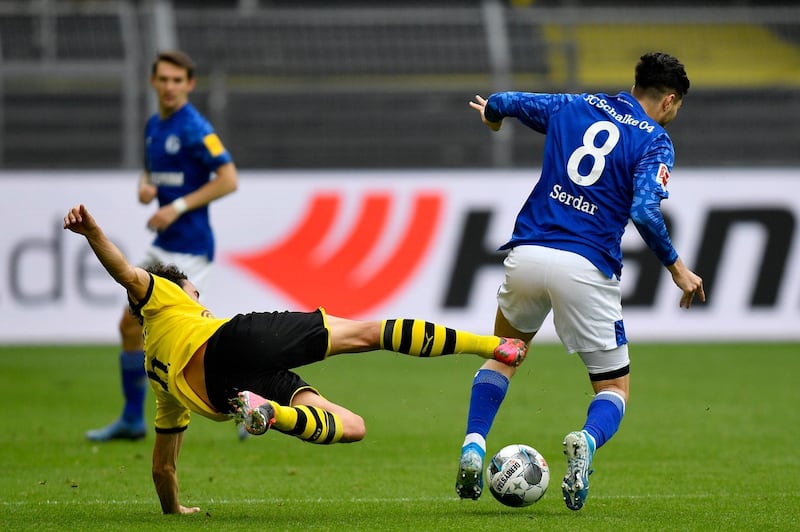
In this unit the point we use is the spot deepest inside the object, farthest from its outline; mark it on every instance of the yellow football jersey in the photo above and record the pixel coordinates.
(174, 327)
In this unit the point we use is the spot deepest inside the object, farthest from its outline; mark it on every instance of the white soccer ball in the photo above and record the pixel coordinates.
(518, 475)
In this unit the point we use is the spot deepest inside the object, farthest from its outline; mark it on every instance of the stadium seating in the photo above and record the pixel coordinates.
(361, 86)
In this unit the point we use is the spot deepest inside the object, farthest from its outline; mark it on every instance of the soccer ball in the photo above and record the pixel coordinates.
(518, 475)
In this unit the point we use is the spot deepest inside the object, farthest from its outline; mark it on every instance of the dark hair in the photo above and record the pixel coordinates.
(177, 58)
(170, 272)
(661, 72)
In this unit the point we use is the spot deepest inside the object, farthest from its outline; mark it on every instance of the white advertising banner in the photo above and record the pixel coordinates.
(381, 244)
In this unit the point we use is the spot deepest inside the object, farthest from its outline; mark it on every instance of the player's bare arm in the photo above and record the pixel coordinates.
(480, 105)
(166, 449)
(688, 281)
(135, 280)
(225, 182)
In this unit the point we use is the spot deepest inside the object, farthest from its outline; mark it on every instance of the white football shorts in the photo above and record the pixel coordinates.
(586, 305)
(196, 267)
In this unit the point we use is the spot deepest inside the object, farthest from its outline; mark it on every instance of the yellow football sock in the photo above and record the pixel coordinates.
(309, 423)
(425, 339)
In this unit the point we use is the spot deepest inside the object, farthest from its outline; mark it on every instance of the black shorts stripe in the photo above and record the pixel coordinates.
(608, 375)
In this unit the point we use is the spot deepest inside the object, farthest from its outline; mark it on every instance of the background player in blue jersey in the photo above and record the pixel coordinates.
(607, 159)
(186, 168)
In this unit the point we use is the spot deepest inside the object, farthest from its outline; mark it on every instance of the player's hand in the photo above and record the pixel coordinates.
(480, 105)
(693, 287)
(691, 284)
(688, 281)
(147, 190)
(78, 220)
(147, 193)
(163, 218)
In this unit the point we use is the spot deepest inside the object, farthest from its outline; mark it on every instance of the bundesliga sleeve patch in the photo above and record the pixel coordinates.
(214, 145)
(663, 175)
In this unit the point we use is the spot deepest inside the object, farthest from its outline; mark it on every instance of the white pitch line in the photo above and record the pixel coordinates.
(357, 500)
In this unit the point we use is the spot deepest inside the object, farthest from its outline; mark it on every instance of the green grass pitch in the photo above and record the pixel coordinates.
(709, 442)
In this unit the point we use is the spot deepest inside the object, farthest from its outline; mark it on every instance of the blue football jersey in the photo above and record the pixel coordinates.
(605, 162)
(181, 154)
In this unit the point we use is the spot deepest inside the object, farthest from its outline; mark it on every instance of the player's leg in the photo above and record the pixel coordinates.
(419, 338)
(310, 417)
(130, 424)
(521, 304)
(611, 388)
(353, 427)
(603, 419)
(489, 387)
(587, 314)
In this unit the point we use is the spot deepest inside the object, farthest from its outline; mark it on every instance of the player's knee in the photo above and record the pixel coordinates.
(619, 387)
(354, 428)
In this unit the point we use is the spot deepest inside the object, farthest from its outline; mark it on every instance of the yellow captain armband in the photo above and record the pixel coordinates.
(213, 144)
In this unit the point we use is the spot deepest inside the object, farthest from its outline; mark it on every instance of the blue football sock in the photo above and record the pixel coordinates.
(488, 391)
(134, 385)
(604, 416)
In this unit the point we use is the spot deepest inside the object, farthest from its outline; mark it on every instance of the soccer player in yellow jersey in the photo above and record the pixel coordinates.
(240, 368)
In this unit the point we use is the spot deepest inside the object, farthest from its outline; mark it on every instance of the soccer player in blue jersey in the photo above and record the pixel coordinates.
(240, 368)
(607, 159)
(186, 168)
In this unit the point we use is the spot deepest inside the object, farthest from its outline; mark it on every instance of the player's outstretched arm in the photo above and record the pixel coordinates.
(135, 280)
(480, 105)
(166, 449)
(688, 281)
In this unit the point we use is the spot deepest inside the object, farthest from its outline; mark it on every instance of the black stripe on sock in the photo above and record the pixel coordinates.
(406, 336)
(388, 332)
(449, 341)
(428, 341)
(300, 425)
(318, 432)
(331, 427)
